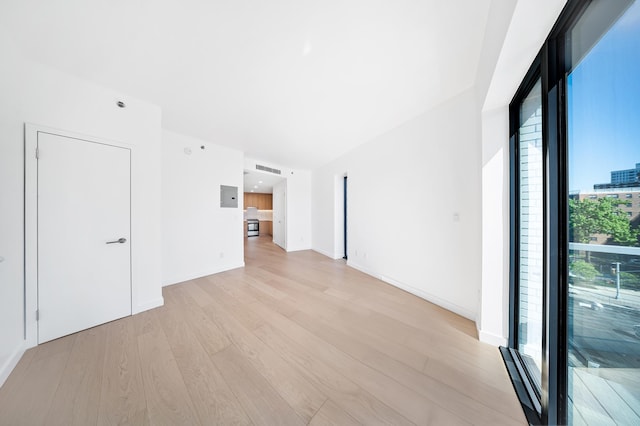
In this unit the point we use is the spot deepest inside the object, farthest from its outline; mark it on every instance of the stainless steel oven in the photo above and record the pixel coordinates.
(253, 227)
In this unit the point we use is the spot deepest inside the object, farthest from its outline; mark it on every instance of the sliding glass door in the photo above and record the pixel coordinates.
(574, 347)
(603, 257)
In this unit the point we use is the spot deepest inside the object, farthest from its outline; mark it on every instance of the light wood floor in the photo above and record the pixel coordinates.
(291, 339)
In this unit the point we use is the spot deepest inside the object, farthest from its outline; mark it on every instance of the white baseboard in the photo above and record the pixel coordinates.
(361, 268)
(155, 303)
(491, 339)
(326, 253)
(418, 292)
(11, 362)
(298, 248)
(200, 274)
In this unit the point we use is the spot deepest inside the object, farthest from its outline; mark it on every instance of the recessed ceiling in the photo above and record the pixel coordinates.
(293, 82)
(260, 182)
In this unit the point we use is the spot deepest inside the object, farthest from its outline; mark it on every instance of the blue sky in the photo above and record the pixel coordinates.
(604, 106)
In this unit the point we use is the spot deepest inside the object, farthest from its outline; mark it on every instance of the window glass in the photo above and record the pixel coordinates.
(530, 269)
(603, 124)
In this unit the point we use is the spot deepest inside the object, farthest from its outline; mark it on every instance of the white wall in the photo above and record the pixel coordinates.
(199, 237)
(401, 162)
(414, 206)
(298, 233)
(33, 93)
(494, 303)
(325, 202)
(298, 210)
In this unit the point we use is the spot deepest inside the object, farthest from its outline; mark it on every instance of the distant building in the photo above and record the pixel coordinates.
(626, 176)
(622, 179)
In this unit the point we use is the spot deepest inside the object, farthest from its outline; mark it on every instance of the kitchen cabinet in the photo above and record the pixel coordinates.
(267, 202)
(261, 201)
(266, 227)
(250, 200)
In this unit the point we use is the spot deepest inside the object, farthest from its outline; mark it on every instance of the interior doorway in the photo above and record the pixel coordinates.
(263, 211)
(344, 216)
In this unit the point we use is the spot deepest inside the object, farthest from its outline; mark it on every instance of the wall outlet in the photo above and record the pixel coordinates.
(221, 255)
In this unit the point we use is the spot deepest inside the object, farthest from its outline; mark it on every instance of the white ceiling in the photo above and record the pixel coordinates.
(294, 82)
(260, 182)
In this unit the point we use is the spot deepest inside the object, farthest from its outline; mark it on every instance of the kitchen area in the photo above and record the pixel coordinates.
(258, 214)
(265, 207)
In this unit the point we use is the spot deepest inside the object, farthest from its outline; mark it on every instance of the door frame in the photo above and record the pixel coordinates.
(345, 216)
(31, 221)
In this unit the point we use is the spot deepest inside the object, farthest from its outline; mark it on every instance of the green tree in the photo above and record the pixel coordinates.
(629, 280)
(583, 270)
(601, 216)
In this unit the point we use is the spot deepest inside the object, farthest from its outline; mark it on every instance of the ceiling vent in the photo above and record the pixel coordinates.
(268, 169)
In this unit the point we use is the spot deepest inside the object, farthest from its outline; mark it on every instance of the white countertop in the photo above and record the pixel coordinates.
(263, 215)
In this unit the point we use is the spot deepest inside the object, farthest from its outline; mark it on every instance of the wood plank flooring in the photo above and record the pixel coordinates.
(291, 339)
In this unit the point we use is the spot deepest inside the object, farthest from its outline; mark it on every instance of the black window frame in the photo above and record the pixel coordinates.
(550, 65)
(528, 393)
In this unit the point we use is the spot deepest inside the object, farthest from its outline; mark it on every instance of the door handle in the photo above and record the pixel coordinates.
(118, 241)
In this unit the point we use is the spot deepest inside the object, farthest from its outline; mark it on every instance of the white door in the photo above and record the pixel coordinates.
(84, 256)
(279, 214)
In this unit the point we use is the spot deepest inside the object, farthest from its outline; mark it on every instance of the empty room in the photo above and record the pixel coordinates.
(328, 213)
